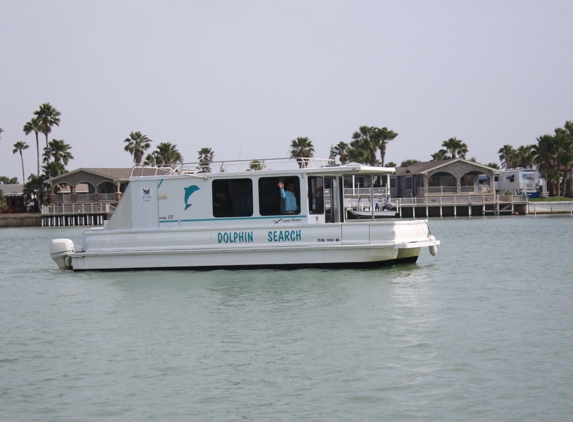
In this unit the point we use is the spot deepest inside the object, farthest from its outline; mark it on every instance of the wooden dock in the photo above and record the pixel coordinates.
(76, 214)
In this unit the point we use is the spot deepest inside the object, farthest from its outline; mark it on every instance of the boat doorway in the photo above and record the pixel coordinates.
(333, 199)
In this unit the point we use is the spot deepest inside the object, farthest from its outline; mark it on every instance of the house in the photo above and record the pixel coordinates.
(14, 194)
(443, 177)
(94, 185)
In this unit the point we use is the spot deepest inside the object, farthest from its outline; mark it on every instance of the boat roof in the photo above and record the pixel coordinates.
(259, 167)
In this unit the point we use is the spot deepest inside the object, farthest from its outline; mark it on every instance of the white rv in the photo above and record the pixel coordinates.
(518, 181)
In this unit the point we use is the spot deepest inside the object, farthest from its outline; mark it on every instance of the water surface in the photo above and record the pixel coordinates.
(482, 332)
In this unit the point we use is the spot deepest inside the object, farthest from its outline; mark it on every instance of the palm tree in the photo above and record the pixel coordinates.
(301, 148)
(567, 133)
(59, 151)
(409, 162)
(564, 156)
(19, 147)
(340, 150)
(440, 155)
(53, 169)
(455, 147)
(256, 165)
(507, 156)
(167, 153)
(524, 156)
(368, 140)
(545, 159)
(206, 156)
(35, 125)
(49, 116)
(137, 144)
(151, 159)
(493, 165)
(386, 135)
(35, 189)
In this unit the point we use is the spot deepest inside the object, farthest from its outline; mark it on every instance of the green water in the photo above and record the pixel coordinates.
(482, 332)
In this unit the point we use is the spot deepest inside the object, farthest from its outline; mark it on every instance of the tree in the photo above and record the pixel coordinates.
(507, 156)
(543, 154)
(440, 155)
(455, 147)
(35, 190)
(205, 158)
(35, 125)
(136, 145)
(301, 148)
(553, 155)
(564, 157)
(3, 202)
(568, 160)
(368, 140)
(1, 130)
(58, 151)
(8, 180)
(167, 153)
(49, 116)
(524, 156)
(493, 165)
(358, 155)
(391, 164)
(53, 169)
(255, 165)
(340, 150)
(19, 147)
(409, 162)
(386, 135)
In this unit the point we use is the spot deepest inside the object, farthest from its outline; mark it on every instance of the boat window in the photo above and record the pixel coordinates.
(233, 198)
(270, 199)
(316, 195)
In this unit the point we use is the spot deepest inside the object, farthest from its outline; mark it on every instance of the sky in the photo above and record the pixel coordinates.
(246, 77)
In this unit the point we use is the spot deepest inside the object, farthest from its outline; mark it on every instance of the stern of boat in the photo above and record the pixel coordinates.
(60, 249)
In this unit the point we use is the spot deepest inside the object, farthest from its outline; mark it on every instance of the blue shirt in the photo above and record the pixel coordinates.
(290, 201)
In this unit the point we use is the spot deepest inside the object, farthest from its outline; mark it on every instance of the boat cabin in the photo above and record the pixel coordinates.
(190, 197)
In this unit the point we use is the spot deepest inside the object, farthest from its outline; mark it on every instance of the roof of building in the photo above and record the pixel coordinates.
(113, 174)
(427, 166)
(16, 189)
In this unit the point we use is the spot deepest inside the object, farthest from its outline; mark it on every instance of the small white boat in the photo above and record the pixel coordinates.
(182, 217)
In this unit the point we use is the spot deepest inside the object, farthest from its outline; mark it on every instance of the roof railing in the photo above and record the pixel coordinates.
(225, 166)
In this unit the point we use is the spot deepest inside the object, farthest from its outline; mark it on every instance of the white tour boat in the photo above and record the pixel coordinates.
(235, 217)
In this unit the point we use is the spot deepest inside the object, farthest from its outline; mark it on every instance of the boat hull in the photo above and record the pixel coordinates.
(348, 245)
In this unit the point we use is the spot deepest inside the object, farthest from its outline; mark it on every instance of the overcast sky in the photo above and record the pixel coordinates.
(247, 77)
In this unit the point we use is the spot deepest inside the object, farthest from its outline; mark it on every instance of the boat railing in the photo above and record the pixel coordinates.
(226, 166)
(149, 170)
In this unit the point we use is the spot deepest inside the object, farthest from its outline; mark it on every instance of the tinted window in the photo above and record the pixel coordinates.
(270, 201)
(316, 195)
(233, 198)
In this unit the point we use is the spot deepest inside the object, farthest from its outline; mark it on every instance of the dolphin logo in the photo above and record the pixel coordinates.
(189, 190)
